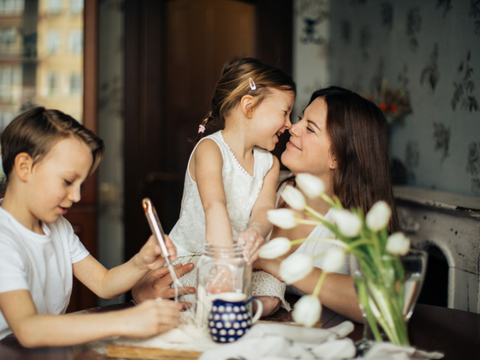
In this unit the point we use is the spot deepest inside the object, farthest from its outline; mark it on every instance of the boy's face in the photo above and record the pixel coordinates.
(55, 182)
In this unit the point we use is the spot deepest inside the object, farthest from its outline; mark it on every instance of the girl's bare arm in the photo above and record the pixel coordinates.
(259, 226)
(266, 200)
(208, 163)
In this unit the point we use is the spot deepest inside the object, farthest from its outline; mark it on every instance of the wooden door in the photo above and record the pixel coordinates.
(175, 51)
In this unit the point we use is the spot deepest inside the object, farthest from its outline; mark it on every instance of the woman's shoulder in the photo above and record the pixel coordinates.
(284, 174)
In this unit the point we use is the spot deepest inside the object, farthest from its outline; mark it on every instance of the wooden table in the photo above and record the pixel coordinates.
(455, 333)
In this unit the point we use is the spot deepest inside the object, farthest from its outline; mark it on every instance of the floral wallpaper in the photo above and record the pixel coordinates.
(431, 50)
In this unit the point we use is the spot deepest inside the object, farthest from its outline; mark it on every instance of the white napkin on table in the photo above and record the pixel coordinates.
(389, 351)
(276, 341)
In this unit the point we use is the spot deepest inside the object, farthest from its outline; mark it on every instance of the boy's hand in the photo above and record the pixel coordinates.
(252, 242)
(151, 318)
(151, 256)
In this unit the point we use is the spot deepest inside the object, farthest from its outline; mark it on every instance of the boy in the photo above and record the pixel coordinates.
(47, 155)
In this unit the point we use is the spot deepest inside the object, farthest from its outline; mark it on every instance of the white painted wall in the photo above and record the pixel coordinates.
(310, 49)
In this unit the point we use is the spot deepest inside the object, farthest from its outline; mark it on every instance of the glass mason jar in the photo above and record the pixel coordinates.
(221, 269)
(388, 290)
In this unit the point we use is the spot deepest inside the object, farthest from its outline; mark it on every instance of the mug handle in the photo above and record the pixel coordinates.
(259, 309)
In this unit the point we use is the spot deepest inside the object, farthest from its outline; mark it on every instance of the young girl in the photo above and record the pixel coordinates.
(231, 175)
(47, 156)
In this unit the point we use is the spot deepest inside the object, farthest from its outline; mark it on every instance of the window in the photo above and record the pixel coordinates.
(76, 42)
(53, 41)
(54, 6)
(8, 35)
(5, 119)
(11, 6)
(52, 83)
(10, 83)
(75, 84)
(76, 6)
(41, 56)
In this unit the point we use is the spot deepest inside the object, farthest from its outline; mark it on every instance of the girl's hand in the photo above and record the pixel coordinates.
(151, 318)
(221, 282)
(151, 256)
(156, 284)
(252, 242)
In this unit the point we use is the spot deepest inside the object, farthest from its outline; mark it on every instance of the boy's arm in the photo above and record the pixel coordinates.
(259, 226)
(109, 284)
(208, 176)
(36, 330)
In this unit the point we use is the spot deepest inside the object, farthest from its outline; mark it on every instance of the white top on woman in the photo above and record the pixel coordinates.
(320, 231)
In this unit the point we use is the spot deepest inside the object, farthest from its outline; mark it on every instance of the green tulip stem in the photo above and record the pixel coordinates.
(319, 283)
(314, 213)
(379, 280)
(326, 240)
(328, 200)
(307, 222)
(358, 243)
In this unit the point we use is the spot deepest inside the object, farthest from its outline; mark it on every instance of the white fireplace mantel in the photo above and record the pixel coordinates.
(452, 223)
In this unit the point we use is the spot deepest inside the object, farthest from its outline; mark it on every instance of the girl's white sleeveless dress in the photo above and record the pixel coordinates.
(241, 191)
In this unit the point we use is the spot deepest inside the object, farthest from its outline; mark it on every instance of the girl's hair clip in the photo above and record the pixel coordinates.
(201, 128)
(252, 84)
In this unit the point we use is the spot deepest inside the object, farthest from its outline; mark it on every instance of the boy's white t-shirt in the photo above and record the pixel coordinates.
(41, 264)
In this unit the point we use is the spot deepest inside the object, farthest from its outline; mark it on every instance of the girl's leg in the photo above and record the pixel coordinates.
(270, 305)
(270, 291)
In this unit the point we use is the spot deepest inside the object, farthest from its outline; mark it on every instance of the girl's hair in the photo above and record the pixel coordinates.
(358, 133)
(36, 131)
(235, 83)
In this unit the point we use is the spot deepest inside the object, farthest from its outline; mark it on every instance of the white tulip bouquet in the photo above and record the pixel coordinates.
(381, 286)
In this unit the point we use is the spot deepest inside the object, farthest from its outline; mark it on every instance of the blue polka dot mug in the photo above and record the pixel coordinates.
(229, 317)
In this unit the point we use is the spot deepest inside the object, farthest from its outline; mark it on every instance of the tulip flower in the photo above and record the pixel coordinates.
(311, 185)
(294, 198)
(348, 223)
(296, 267)
(275, 248)
(333, 260)
(283, 218)
(378, 216)
(307, 310)
(398, 244)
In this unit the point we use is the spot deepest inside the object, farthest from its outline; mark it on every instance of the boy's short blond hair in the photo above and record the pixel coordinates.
(36, 131)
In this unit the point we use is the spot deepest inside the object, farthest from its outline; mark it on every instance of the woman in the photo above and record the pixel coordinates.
(341, 138)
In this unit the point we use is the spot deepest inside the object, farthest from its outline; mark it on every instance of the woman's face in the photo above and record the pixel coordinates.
(308, 150)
